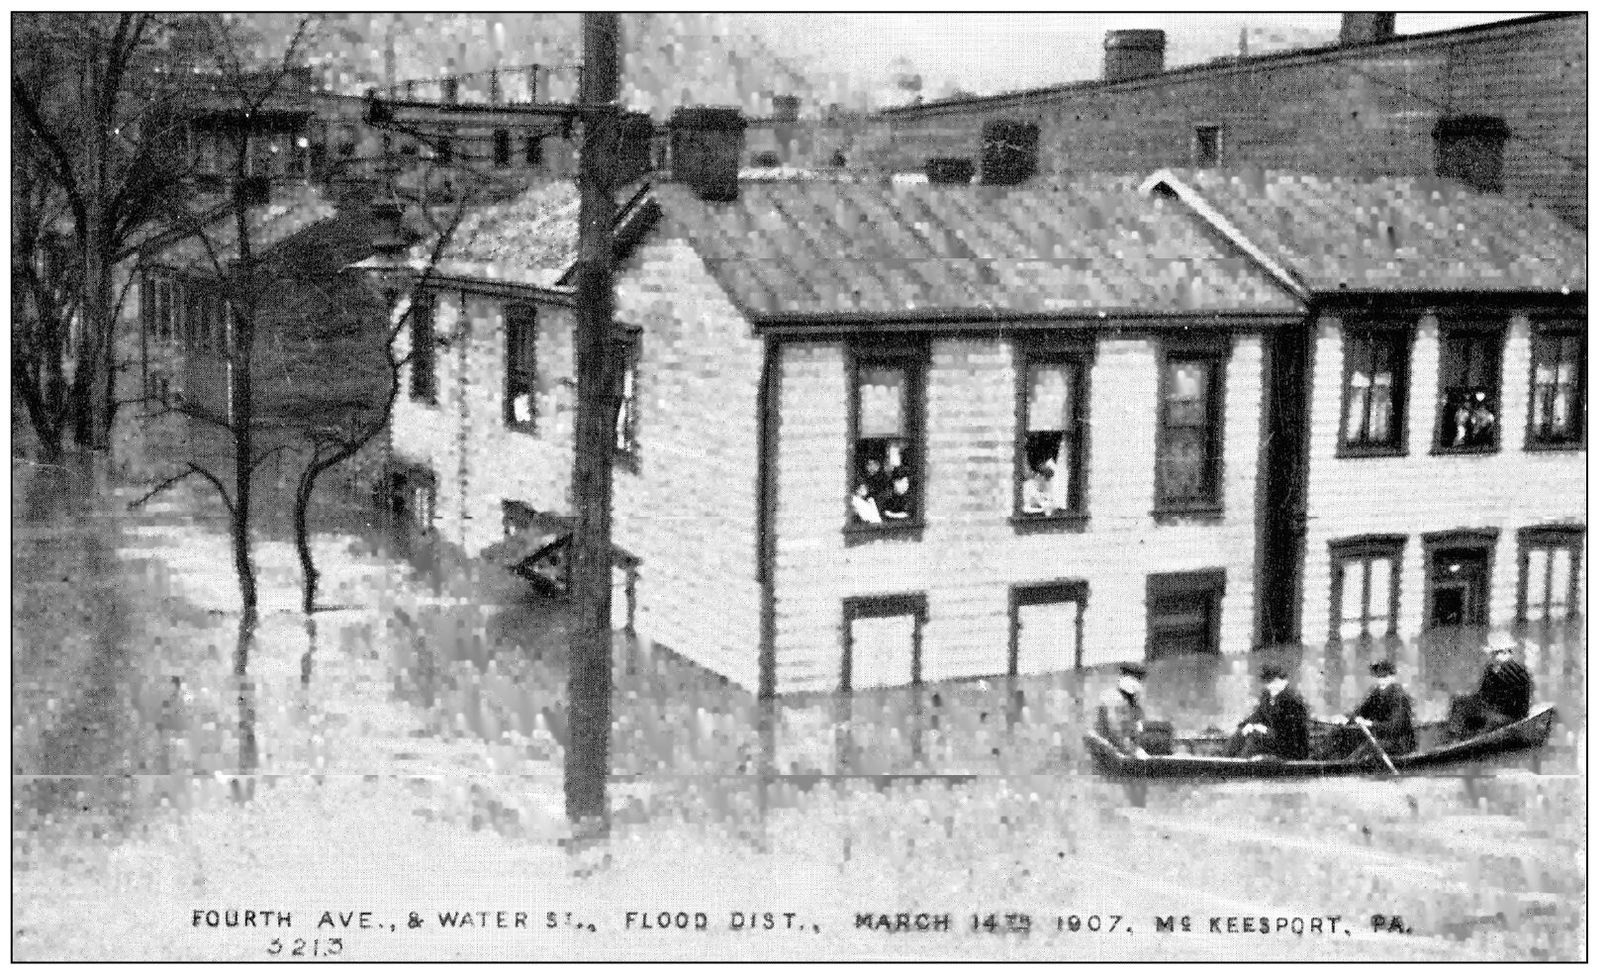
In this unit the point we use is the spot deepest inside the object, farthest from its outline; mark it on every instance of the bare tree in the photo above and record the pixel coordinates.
(94, 161)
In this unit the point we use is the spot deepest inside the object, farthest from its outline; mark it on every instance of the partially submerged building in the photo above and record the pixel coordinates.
(874, 433)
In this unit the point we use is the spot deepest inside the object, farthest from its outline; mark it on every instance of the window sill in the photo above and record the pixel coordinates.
(1061, 522)
(858, 533)
(1372, 451)
(1199, 513)
(1552, 446)
(519, 428)
(1443, 450)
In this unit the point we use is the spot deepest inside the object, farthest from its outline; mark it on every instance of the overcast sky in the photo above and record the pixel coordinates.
(993, 52)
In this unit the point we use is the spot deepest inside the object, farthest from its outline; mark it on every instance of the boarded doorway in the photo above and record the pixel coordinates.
(1046, 627)
(882, 641)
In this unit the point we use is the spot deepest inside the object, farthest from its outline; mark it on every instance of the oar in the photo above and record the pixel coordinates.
(1388, 764)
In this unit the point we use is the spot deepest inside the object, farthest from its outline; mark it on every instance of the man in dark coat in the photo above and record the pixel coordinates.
(1279, 725)
(1120, 716)
(1505, 692)
(1387, 711)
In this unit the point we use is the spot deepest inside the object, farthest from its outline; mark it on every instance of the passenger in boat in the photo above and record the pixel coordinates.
(1278, 726)
(1387, 712)
(1505, 692)
(1120, 716)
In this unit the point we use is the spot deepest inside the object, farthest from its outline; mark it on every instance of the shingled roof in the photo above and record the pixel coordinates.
(290, 211)
(1094, 246)
(1394, 234)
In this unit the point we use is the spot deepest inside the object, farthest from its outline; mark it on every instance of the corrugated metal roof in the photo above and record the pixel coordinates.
(1397, 233)
(1096, 245)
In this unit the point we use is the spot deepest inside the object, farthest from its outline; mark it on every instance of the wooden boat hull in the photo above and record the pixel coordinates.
(1527, 733)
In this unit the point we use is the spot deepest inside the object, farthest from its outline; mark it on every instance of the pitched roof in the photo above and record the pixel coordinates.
(1096, 245)
(1395, 234)
(529, 239)
(289, 212)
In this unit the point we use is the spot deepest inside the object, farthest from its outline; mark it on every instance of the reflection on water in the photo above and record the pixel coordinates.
(125, 666)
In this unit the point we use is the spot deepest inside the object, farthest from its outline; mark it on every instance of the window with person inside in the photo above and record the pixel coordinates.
(884, 483)
(1050, 446)
(1471, 400)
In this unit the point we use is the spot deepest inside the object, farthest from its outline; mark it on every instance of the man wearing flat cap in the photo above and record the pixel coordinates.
(1386, 711)
(1505, 692)
(1120, 716)
(1278, 726)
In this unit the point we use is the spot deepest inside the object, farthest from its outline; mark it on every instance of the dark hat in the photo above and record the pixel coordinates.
(1270, 672)
(1135, 670)
(1382, 667)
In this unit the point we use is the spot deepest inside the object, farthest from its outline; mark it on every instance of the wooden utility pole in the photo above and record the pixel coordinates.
(586, 764)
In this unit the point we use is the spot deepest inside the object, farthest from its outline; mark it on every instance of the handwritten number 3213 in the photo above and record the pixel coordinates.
(299, 948)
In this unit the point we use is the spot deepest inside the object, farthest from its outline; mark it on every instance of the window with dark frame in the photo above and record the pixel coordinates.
(1052, 407)
(1470, 390)
(443, 150)
(1375, 390)
(885, 483)
(882, 641)
(1365, 586)
(501, 147)
(1548, 572)
(1188, 464)
(1557, 386)
(1046, 627)
(1208, 146)
(1185, 611)
(412, 496)
(1457, 585)
(532, 150)
(628, 349)
(421, 335)
(519, 390)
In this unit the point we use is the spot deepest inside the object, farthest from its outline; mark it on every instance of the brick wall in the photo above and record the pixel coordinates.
(1423, 493)
(1363, 112)
(969, 554)
(689, 512)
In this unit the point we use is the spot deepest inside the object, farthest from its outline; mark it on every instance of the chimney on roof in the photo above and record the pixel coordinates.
(784, 108)
(1470, 148)
(635, 146)
(706, 150)
(1009, 151)
(949, 169)
(1365, 28)
(1134, 54)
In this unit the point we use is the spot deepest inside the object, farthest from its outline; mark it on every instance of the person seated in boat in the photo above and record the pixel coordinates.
(1120, 716)
(1278, 726)
(1505, 692)
(1386, 712)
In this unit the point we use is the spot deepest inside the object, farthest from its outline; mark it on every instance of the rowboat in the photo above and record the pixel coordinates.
(1201, 756)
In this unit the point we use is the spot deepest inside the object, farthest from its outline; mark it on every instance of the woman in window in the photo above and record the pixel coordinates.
(899, 502)
(1037, 497)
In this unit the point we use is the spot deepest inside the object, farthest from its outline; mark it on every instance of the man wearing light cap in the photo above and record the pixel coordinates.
(1120, 716)
(1505, 692)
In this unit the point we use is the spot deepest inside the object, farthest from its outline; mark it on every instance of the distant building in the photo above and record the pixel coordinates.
(873, 433)
(1500, 105)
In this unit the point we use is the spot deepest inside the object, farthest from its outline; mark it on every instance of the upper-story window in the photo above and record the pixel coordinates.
(1372, 414)
(1188, 463)
(421, 335)
(501, 147)
(1052, 409)
(519, 393)
(1557, 384)
(628, 348)
(1208, 146)
(1470, 388)
(886, 430)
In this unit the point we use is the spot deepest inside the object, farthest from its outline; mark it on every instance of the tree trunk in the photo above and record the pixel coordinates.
(586, 763)
(298, 517)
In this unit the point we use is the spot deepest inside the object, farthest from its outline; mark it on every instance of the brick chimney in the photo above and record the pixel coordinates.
(1365, 28)
(1009, 151)
(1134, 54)
(706, 150)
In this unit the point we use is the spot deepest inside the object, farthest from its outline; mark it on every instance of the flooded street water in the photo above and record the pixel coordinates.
(402, 753)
